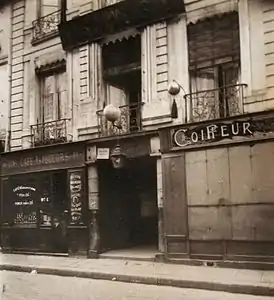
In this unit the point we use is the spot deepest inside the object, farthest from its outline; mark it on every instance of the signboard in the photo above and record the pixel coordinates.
(215, 132)
(41, 159)
(103, 153)
(76, 189)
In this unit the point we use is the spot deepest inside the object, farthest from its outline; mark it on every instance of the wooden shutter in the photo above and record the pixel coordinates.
(175, 204)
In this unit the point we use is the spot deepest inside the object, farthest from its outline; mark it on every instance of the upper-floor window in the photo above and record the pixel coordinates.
(48, 18)
(47, 7)
(214, 68)
(53, 96)
(122, 80)
(52, 120)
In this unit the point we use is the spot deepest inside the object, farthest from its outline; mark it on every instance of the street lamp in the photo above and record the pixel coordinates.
(112, 114)
(174, 89)
(117, 156)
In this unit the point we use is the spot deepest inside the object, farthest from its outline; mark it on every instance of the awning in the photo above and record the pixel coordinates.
(50, 61)
(118, 37)
(116, 18)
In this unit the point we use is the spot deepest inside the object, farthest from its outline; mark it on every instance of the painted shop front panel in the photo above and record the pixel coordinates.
(218, 189)
(43, 199)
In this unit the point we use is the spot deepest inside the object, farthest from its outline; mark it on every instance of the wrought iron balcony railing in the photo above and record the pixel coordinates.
(130, 121)
(214, 104)
(47, 133)
(46, 27)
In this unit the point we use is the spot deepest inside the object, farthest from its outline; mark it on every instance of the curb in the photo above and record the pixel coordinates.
(203, 285)
(247, 265)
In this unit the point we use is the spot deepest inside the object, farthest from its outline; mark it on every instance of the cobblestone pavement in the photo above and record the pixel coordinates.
(26, 286)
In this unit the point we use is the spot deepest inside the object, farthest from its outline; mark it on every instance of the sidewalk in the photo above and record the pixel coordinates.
(202, 277)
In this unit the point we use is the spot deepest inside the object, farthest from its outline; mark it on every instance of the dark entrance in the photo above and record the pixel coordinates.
(128, 204)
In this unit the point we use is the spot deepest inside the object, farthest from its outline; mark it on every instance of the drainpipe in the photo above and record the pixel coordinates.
(8, 132)
(63, 11)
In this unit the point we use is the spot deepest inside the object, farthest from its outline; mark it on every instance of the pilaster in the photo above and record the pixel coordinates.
(93, 206)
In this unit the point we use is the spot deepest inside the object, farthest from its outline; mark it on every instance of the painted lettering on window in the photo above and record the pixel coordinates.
(76, 198)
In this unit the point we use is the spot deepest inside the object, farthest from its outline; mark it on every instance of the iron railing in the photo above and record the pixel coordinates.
(214, 104)
(46, 133)
(46, 26)
(129, 121)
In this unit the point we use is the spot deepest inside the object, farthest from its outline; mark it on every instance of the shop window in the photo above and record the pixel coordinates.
(20, 202)
(35, 200)
(216, 90)
(122, 79)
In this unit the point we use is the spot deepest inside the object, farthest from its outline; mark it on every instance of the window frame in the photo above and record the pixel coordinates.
(39, 8)
(56, 72)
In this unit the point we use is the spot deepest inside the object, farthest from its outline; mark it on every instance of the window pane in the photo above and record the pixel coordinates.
(203, 79)
(62, 94)
(49, 6)
(48, 93)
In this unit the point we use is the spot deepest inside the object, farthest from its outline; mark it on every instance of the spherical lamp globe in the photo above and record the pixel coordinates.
(112, 113)
(173, 88)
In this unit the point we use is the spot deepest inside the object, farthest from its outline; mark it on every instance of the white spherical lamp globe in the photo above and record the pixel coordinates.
(112, 113)
(173, 88)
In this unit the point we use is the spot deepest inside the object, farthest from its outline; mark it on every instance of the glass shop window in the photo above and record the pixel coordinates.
(20, 201)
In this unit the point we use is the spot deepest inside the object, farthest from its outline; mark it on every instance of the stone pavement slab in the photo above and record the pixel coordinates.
(198, 277)
(26, 286)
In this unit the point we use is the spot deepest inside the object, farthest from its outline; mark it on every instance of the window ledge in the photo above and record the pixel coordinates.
(3, 59)
(44, 38)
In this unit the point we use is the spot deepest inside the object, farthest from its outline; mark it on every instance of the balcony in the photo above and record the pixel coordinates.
(215, 104)
(48, 133)
(129, 122)
(46, 27)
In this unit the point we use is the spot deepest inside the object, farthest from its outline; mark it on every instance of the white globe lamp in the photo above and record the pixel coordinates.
(174, 88)
(112, 113)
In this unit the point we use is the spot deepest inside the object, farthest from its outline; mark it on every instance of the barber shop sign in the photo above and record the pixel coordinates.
(216, 132)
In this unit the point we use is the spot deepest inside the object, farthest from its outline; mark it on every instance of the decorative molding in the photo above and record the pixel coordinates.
(3, 59)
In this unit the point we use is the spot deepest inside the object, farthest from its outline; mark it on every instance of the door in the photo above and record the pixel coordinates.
(113, 223)
(53, 212)
(175, 203)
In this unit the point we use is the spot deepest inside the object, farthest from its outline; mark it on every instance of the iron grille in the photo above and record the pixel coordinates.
(46, 26)
(214, 104)
(53, 132)
(130, 121)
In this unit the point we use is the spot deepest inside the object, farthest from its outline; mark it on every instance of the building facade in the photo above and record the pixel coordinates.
(5, 29)
(140, 123)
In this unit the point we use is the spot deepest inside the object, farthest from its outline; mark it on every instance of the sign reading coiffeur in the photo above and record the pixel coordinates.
(212, 133)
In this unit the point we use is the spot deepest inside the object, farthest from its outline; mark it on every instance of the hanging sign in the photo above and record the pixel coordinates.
(103, 153)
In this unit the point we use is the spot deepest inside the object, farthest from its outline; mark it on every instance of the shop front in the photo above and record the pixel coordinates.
(218, 189)
(43, 206)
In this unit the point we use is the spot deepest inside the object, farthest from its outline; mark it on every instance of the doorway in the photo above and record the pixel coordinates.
(53, 209)
(128, 205)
